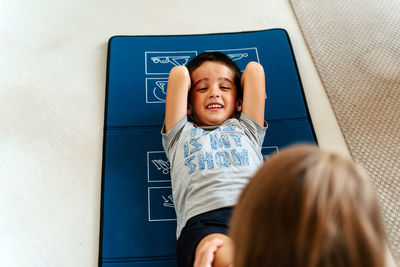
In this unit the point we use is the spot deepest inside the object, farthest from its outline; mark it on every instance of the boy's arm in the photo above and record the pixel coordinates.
(177, 94)
(253, 84)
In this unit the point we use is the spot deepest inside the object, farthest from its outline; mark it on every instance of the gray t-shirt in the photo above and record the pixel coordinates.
(211, 166)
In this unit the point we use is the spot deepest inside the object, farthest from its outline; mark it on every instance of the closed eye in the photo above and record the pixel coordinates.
(224, 87)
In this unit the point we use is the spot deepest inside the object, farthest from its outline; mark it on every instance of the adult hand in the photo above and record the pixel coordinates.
(205, 256)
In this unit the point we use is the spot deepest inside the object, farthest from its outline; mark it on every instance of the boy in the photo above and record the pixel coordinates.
(214, 154)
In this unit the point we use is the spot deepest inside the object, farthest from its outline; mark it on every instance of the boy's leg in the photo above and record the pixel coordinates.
(224, 254)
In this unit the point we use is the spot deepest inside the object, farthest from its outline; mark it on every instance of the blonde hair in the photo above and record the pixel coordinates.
(306, 207)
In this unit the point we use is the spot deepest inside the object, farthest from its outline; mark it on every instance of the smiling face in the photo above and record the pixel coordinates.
(214, 94)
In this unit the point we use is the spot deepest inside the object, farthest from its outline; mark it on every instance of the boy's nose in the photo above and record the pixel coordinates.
(214, 92)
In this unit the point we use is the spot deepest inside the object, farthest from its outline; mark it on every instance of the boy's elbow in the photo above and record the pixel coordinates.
(179, 78)
(254, 72)
(180, 71)
(254, 66)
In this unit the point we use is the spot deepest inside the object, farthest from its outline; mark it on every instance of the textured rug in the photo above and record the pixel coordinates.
(355, 45)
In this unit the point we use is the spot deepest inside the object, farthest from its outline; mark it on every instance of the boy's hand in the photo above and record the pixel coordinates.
(205, 256)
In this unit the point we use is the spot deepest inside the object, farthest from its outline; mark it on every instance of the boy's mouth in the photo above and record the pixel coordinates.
(214, 106)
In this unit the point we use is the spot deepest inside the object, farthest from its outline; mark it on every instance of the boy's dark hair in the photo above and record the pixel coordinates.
(216, 56)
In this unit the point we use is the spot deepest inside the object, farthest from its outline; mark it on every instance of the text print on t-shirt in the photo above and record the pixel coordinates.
(225, 149)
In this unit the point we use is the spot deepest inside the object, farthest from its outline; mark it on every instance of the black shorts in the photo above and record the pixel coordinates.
(198, 227)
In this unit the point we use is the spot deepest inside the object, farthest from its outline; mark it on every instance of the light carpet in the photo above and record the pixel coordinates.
(356, 48)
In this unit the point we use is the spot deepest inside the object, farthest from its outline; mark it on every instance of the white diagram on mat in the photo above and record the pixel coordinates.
(161, 165)
(161, 204)
(266, 151)
(174, 60)
(163, 62)
(238, 56)
(158, 167)
(168, 201)
(156, 90)
(241, 56)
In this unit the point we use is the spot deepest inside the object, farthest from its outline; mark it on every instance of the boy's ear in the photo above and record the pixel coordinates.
(239, 105)
(189, 109)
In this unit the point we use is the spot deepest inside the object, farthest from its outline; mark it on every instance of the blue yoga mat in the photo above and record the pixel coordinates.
(138, 221)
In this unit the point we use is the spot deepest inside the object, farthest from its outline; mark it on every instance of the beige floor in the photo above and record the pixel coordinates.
(52, 87)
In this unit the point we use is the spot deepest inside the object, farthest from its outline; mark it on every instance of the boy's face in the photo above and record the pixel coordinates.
(213, 98)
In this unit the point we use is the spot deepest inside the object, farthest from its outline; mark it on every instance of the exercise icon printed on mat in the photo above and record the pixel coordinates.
(238, 56)
(168, 202)
(156, 90)
(158, 167)
(174, 60)
(241, 56)
(161, 165)
(161, 204)
(266, 151)
(163, 62)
